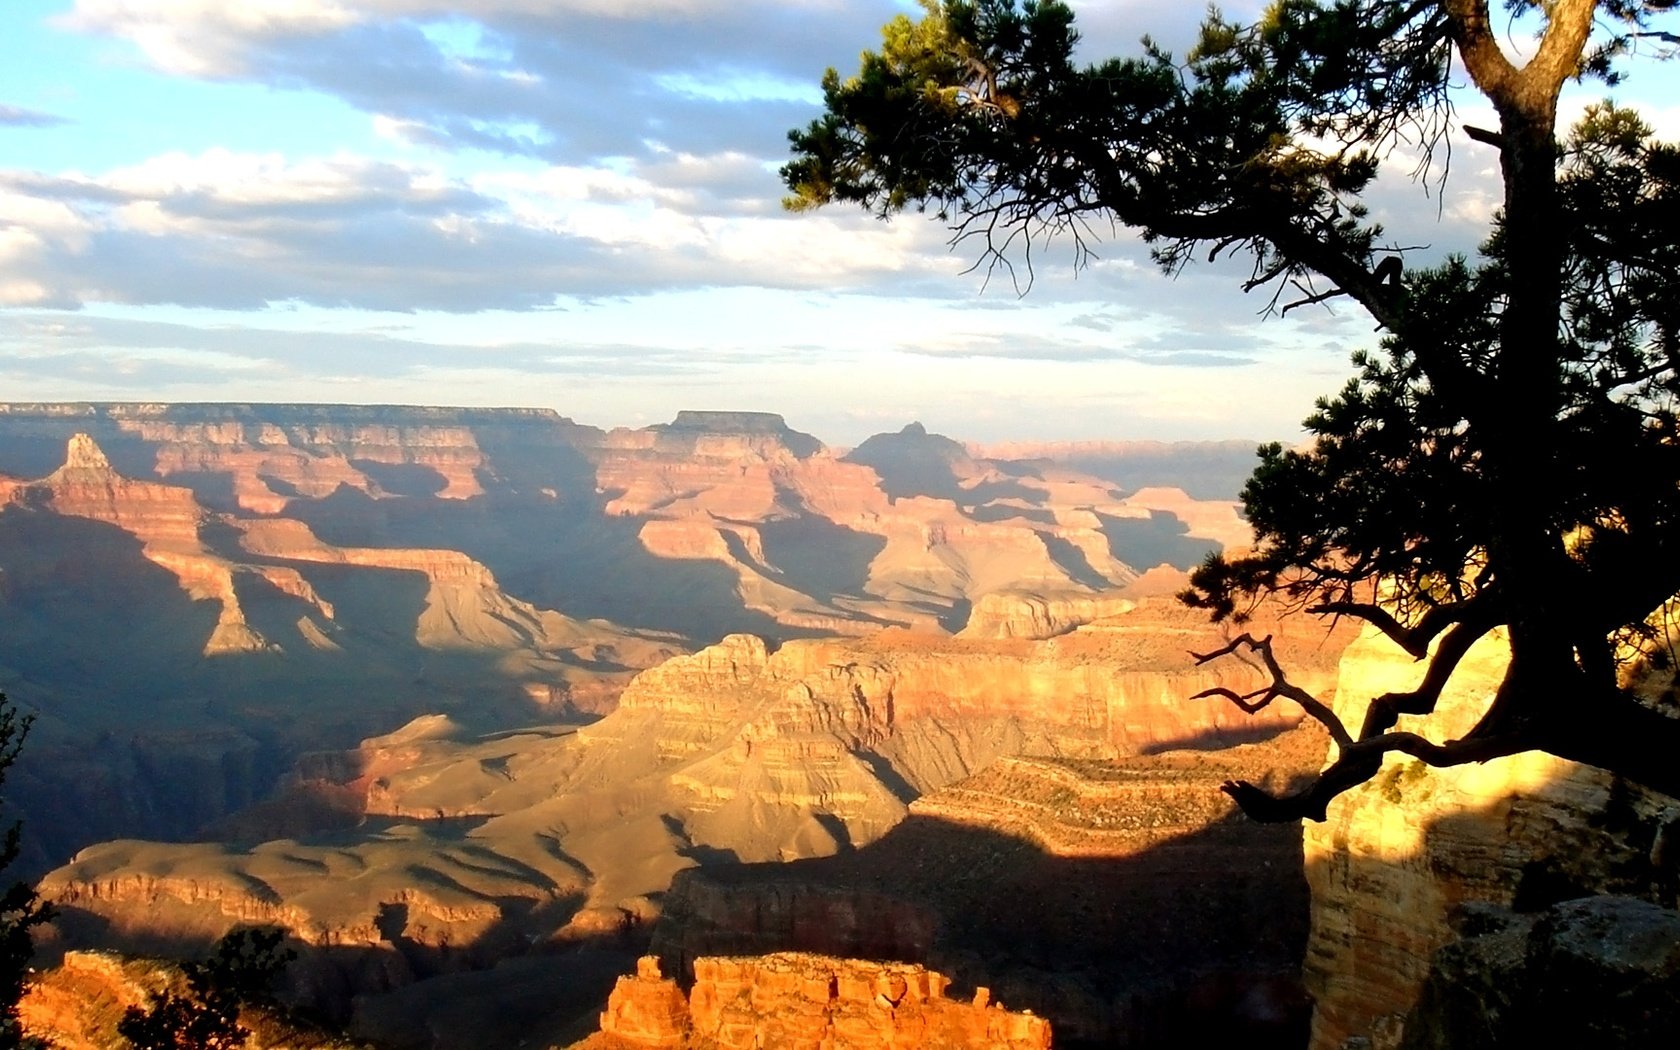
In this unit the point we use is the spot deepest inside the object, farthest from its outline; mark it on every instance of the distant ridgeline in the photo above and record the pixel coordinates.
(195, 594)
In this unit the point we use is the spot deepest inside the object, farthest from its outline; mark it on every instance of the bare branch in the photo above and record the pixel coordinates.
(1280, 686)
(1491, 138)
(1311, 299)
(1358, 764)
(1415, 639)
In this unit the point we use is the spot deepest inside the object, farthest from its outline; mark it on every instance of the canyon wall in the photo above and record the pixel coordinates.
(1401, 858)
(801, 1000)
(1123, 899)
(472, 848)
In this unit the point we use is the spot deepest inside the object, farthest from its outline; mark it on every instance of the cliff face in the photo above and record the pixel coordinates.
(259, 615)
(472, 846)
(717, 522)
(1399, 858)
(1010, 615)
(795, 1000)
(1121, 899)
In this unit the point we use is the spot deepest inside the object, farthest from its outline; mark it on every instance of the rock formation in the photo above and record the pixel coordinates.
(183, 600)
(473, 847)
(1121, 899)
(76, 1004)
(1598, 971)
(800, 1000)
(1006, 614)
(1399, 857)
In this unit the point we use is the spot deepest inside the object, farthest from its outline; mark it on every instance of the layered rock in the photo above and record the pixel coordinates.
(1008, 614)
(1398, 857)
(735, 512)
(735, 753)
(1124, 900)
(270, 454)
(799, 1000)
(77, 1003)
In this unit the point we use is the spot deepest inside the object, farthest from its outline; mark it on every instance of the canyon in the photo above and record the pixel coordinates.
(447, 692)
(484, 706)
(268, 580)
(451, 852)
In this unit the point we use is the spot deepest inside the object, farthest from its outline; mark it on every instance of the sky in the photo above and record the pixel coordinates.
(573, 204)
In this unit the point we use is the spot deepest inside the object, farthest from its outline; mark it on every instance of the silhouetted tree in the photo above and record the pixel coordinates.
(20, 909)
(1505, 460)
(240, 972)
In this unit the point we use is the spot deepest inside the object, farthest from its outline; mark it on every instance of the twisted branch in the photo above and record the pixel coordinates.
(1280, 685)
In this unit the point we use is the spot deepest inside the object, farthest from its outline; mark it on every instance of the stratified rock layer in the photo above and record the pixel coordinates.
(805, 1002)
(1398, 857)
(1124, 900)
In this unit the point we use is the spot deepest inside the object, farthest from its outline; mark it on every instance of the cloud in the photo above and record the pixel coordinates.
(565, 81)
(46, 345)
(1025, 347)
(19, 117)
(241, 231)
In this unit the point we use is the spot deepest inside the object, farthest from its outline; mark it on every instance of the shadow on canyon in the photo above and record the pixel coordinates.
(1161, 539)
(1194, 940)
(513, 984)
(607, 572)
(219, 730)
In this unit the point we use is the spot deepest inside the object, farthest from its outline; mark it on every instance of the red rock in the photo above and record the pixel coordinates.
(807, 1002)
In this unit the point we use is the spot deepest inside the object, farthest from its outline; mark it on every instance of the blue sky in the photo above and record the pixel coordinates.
(573, 204)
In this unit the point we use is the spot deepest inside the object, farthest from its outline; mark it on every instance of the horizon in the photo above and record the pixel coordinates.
(978, 447)
(404, 202)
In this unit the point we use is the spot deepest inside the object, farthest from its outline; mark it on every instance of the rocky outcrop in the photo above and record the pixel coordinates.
(806, 1001)
(76, 1004)
(1010, 614)
(1400, 855)
(1115, 687)
(1123, 900)
(271, 454)
(1597, 971)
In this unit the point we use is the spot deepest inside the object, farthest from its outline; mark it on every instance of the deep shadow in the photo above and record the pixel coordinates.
(566, 555)
(995, 512)
(889, 777)
(409, 982)
(1195, 941)
(819, 557)
(1161, 539)
(913, 462)
(403, 479)
(1071, 560)
(955, 618)
(1219, 739)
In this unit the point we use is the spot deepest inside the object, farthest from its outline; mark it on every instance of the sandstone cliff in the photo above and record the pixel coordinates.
(1006, 614)
(177, 657)
(1400, 857)
(475, 847)
(1121, 899)
(800, 1000)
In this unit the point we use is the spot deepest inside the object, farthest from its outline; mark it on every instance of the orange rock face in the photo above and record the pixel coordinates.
(1397, 858)
(808, 1002)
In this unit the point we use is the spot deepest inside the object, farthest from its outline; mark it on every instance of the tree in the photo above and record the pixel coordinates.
(20, 909)
(240, 971)
(1505, 460)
